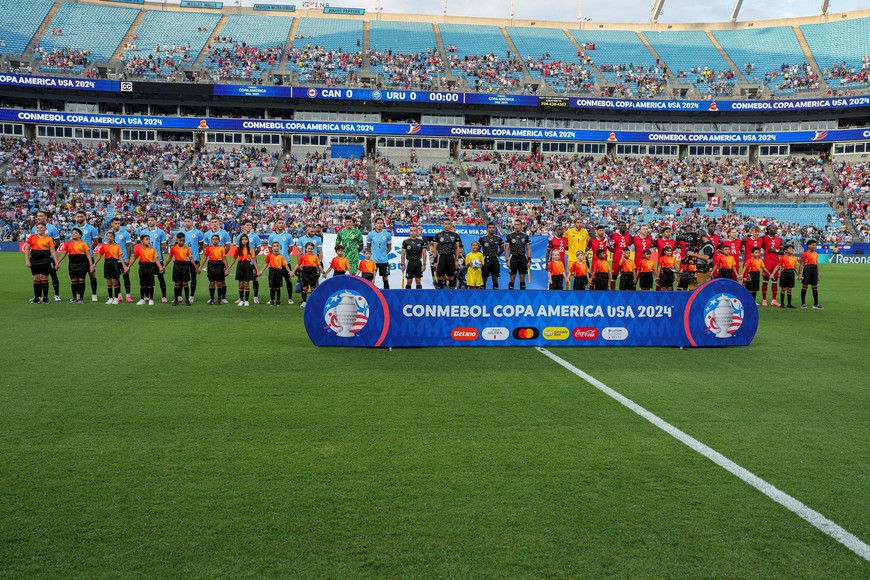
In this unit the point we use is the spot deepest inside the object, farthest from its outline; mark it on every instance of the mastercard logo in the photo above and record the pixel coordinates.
(526, 333)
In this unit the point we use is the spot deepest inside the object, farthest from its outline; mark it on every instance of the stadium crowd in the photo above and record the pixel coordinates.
(318, 170)
(318, 65)
(410, 71)
(237, 166)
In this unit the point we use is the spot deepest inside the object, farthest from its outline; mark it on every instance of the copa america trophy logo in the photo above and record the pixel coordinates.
(346, 313)
(723, 315)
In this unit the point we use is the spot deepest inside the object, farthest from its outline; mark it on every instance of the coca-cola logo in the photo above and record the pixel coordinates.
(585, 333)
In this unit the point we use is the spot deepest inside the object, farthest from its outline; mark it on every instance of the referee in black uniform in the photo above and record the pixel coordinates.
(448, 246)
(518, 254)
(413, 256)
(492, 246)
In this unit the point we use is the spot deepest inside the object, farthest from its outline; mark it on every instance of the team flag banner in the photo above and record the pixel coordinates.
(349, 311)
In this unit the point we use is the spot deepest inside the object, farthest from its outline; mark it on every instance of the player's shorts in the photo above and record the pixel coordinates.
(383, 268)
(446, 265)
(309, 276)
(601, 281)
(40, 262)
(491, 267)
(646, 280)
(558, 283)
(723, 273)
(786, 279)
(580, 283)
(519, 264)
(244, 271)
(414, 269)
(78, 265)
(771, 267)
(277, 277)
(666, 278)
(626, 281)
(811, 275)
(146, 273)
(216, 271)
(753, 281)
(111, 269)
(616, 267)
(338, 273)
(181, 272)
(368, 276)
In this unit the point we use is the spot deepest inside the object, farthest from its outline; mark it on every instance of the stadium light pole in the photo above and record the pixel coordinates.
(512, 12)
(445, 11)
(378, 9)
(656, 11)
(737, 6)
(825, 5)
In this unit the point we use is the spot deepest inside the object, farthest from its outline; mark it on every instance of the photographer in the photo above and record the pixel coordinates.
(689, 244)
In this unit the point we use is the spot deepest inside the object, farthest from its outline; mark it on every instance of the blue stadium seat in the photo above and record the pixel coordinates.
(683, 51)
(766, 49)
(537, 43)
(255, 31)
(476, 41)
(99, 29)
(18, 26)
(845, 41)
(173, 28)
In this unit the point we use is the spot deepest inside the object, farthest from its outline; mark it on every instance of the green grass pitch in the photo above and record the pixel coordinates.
(216, 441)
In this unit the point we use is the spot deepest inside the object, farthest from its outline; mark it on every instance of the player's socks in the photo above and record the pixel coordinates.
(522, 286)
(494, 285)
(186, 294)
(304, 297)
(510, 285)
(37, 291)
(94, 285)
(803, 295)
(419, 286)
(782, 298)
(127, 286)
(163, 288)
(54, 282)
(789, 298)
(277, 296)
(815, 296)
(775, 288)
(386, 284)
(764, 292)
(193, 285)
(613, 285)
(407, 286)
(211, 293)
(256, 289)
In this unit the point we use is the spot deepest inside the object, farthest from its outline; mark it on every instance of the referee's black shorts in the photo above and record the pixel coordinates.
(519, 264)
(446, 265)
(491, 267)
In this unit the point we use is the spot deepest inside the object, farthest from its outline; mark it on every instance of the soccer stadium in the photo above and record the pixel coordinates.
(306, 290)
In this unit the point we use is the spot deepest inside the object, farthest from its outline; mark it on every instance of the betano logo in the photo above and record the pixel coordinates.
(464, 334)
(526, 333)
(556, 333)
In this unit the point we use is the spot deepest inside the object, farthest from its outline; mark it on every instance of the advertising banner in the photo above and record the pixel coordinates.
(418, 130)
(59, 83)
(348, 311)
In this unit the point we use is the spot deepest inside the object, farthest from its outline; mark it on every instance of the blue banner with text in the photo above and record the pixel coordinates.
(349, 311)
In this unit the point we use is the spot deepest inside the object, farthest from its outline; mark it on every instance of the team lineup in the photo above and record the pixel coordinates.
(574, 260)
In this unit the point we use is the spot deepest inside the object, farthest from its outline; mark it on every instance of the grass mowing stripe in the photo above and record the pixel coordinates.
(810, 515)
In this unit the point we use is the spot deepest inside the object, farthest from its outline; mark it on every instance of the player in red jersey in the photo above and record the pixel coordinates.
(735, 244)
(752, 242)
(620, 240)
(712, 235)
(664, 241)
(557, 242)
(642, 242)
(772, 247)
(600, 242)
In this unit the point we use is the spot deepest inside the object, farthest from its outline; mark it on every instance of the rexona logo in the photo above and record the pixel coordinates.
(496, 333)
(556, 333)
(464, 334)
(526, 333)
(614, 333)
(585, 333)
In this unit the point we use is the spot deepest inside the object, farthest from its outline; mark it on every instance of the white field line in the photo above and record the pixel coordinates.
(813, 517)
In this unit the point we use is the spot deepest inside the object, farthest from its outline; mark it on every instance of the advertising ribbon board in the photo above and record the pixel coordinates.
(349, 311)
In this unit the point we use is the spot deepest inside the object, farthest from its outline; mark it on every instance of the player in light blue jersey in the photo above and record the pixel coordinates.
(193, 239)
(123, 239)
(310, 237)
(254, 240)
(91, 236)
(380, 242)
(51, 230)
(158, 242)
(215, 229)
(285, 241)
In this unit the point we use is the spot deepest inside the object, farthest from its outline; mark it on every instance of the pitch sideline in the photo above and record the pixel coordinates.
(813, 517)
